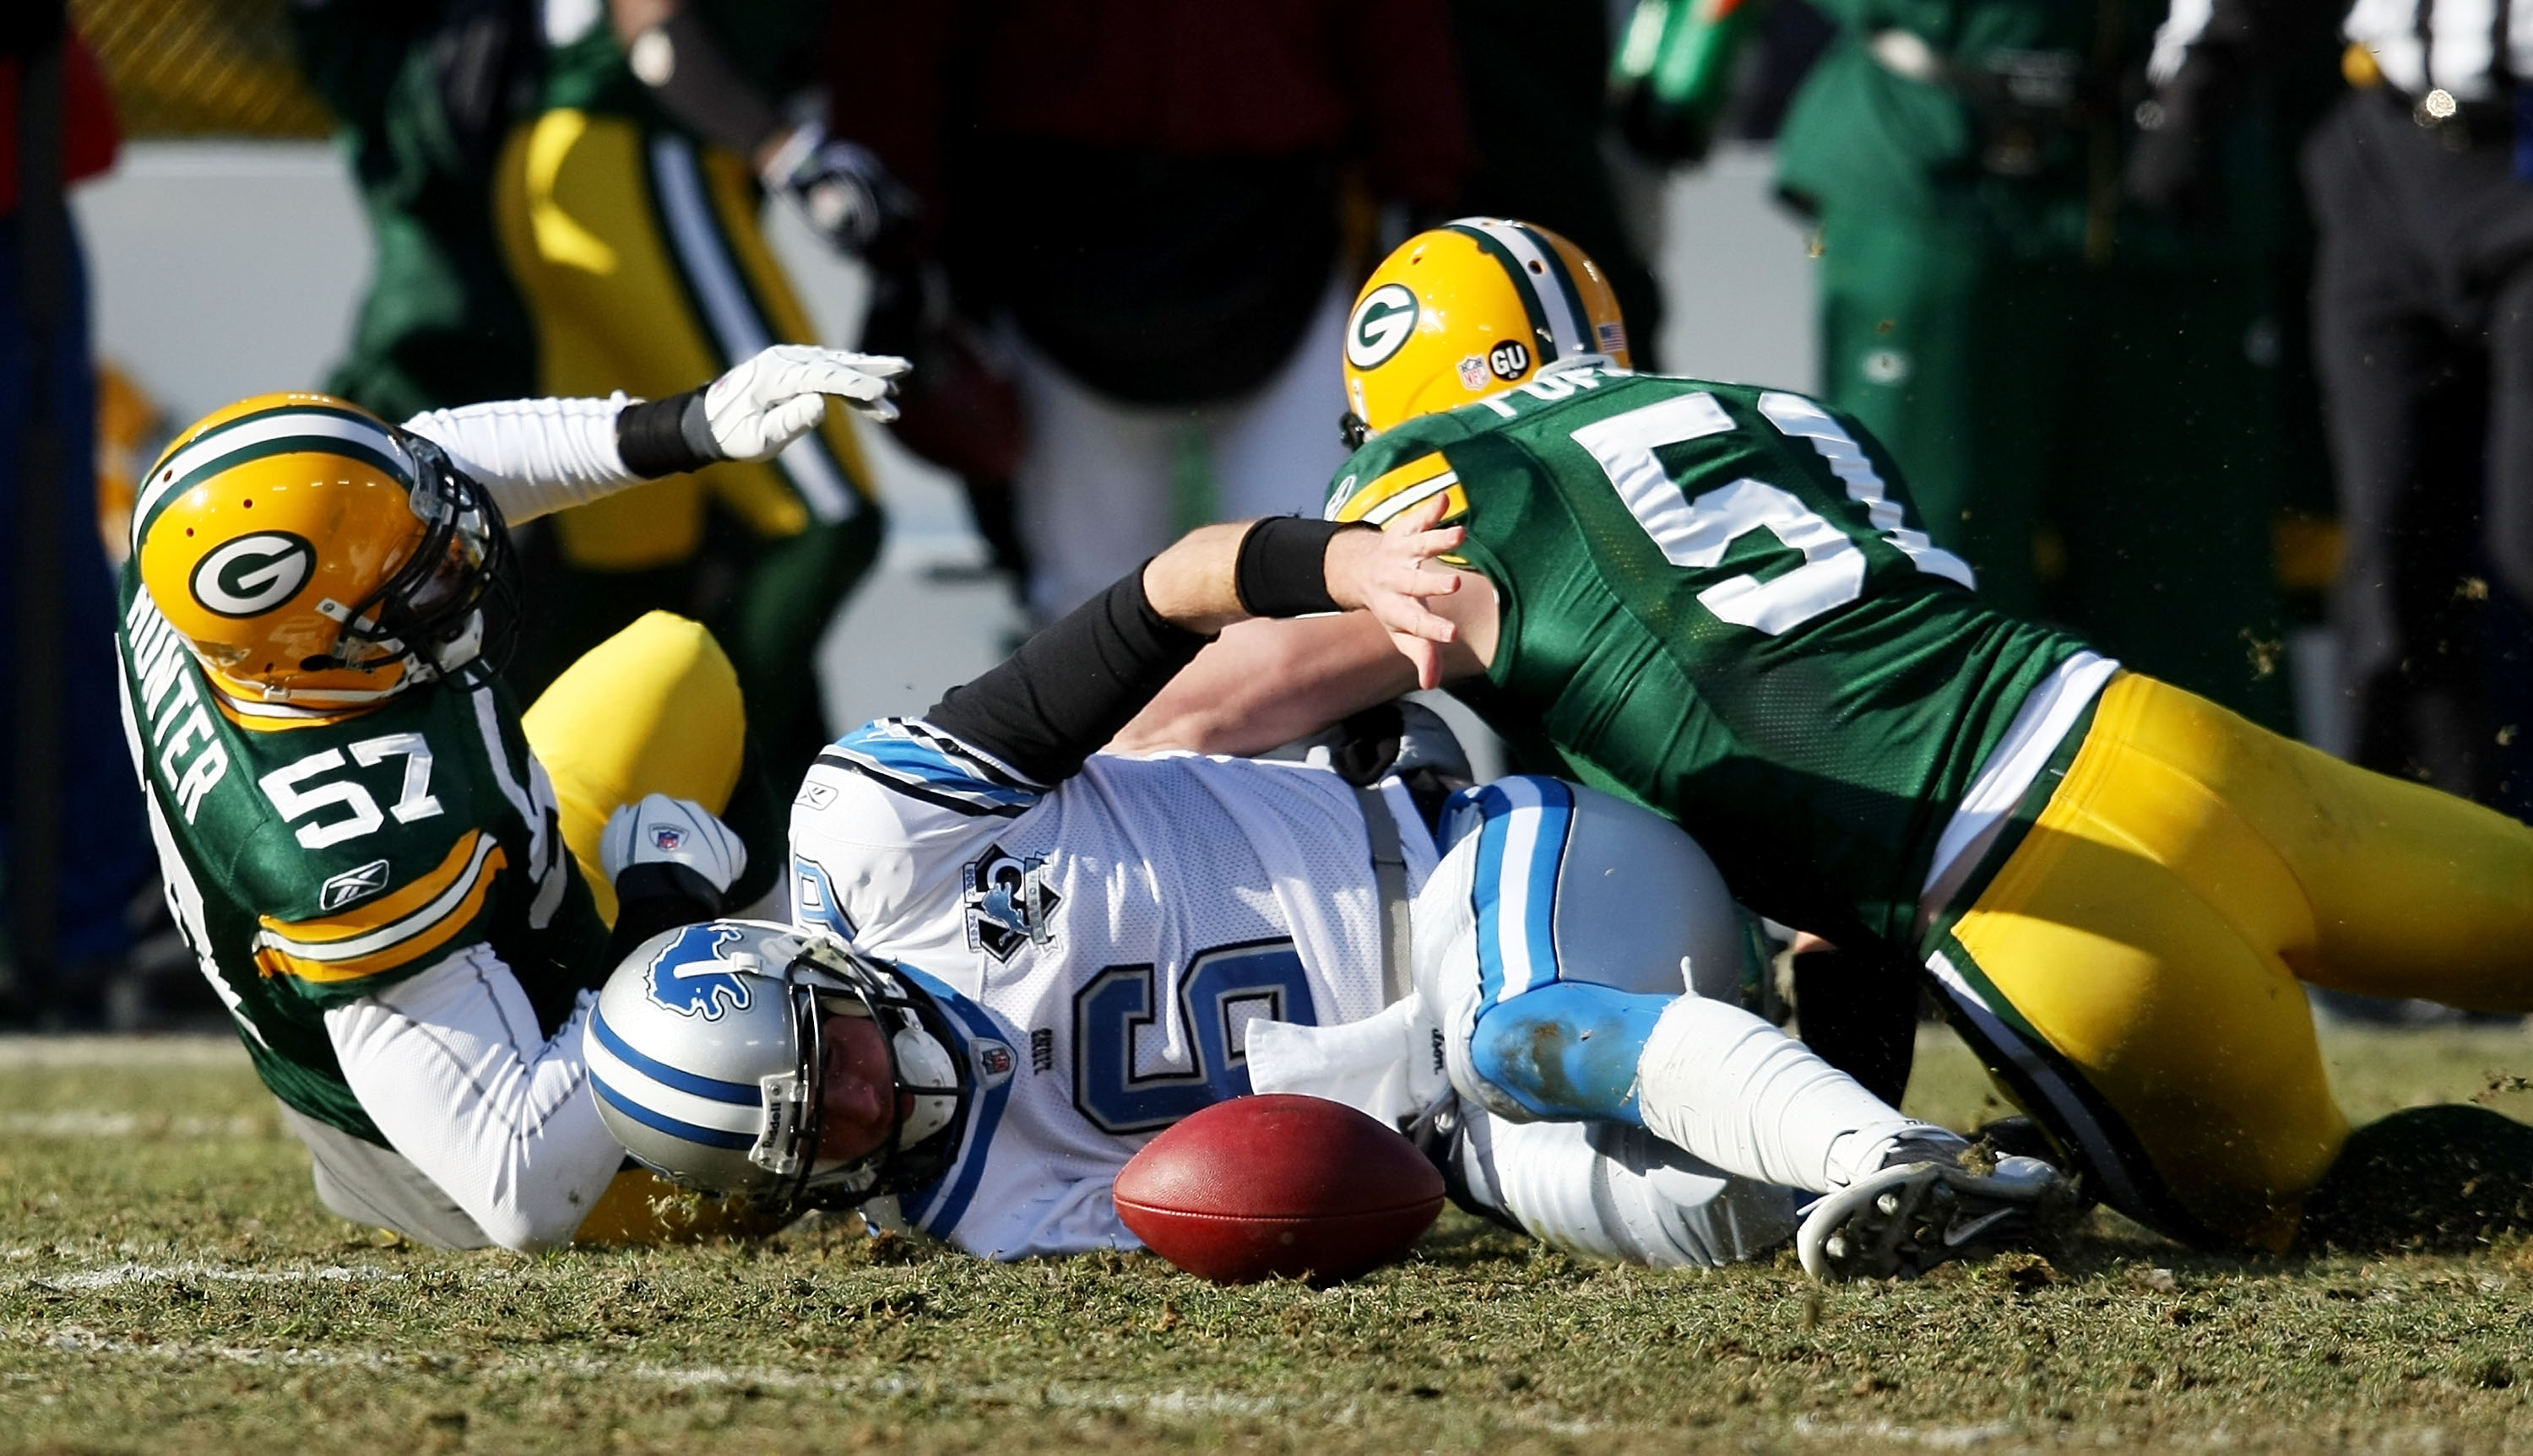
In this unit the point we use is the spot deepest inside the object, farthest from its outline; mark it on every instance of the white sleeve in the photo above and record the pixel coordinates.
(537, 456)
(453, 1069)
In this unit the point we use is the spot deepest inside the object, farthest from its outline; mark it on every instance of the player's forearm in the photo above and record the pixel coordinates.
(1068, 689)
(1262, 683)
(451, 1067)
(538, 457)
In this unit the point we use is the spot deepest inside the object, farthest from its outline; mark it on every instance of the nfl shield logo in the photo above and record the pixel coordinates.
(664, 838)
(1473, 373)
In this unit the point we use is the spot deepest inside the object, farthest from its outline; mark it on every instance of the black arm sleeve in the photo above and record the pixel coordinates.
(1071, 688)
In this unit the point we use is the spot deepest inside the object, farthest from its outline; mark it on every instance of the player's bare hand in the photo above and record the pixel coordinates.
(780, 393)
(1394, 575)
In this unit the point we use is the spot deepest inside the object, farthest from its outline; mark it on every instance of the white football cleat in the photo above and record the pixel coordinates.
(1910, 1217)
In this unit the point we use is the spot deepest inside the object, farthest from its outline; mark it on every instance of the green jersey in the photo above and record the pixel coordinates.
(312, 859)
(1712, 601)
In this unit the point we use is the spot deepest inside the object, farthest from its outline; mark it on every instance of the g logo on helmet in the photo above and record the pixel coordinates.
(689, 977)
(1381, 325)
(254, 574)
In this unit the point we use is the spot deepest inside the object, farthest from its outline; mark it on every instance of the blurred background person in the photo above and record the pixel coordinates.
(73, 851)
(2422, 180)
(2075, 384)
(423, 96)
(1159, 206)
(1535, 75)
(628, 211)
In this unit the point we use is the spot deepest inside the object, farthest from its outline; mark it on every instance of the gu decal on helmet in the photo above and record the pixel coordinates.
(1381, 325)
(1473, 373)
(254, 574)
(689, 977)
(1508, 360)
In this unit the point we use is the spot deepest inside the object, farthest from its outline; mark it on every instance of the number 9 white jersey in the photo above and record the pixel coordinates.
(1118, 935)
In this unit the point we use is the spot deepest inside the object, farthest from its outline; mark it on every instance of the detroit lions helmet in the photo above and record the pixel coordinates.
(312, 553)
(707, 1057)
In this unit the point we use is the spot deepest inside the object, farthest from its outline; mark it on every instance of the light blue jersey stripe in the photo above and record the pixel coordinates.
(910, 759)
(1521, 849)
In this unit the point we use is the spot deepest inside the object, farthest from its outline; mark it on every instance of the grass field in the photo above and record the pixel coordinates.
(167, 1283)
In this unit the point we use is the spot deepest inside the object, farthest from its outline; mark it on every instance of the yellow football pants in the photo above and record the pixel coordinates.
(643, 268)
(655, 709)
(2136, 964)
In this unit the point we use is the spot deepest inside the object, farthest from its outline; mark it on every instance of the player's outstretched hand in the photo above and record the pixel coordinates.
(780, 393)
(664, 830)
(1394, 575)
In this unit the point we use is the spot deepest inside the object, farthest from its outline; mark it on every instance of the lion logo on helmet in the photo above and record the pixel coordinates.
(690, 976)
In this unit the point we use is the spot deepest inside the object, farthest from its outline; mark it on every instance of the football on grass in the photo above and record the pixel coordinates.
(1276, 1185)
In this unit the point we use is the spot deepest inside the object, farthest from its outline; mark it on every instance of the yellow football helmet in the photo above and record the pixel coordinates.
(1468, 309)
(309, 552)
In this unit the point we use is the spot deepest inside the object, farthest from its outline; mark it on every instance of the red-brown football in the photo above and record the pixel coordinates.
(1276, 1185)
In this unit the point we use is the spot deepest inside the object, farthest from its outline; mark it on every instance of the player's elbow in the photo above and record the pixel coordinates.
(535, 1225)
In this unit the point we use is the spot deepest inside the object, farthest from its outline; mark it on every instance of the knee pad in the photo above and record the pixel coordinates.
(1563, 1052)
(1547, 886)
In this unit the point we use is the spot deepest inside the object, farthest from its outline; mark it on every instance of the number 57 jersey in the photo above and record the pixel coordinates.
(312, 858)
(1105, 942)
(1712, 601)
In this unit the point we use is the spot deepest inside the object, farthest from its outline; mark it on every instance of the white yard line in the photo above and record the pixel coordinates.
(86, 1124)
(1938, 1437)
(130, 1053)
(79, 1340)
(115, 1275)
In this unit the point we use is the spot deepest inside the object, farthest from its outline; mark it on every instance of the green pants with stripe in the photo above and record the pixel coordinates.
(2093, 440)
(644, 269)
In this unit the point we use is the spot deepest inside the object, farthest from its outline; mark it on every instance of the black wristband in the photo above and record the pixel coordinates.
(665, 437)
(1282, 569)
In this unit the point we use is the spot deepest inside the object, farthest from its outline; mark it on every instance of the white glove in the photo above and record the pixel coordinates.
(660, 830)
(781, 395)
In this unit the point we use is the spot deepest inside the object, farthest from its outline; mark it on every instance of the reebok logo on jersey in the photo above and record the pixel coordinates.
(254, 574)
(1008, 902)
(689, 977)
(1381, 325)
(352, 885)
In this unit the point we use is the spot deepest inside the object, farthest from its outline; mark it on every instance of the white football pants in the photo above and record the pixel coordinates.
(1093, 489)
